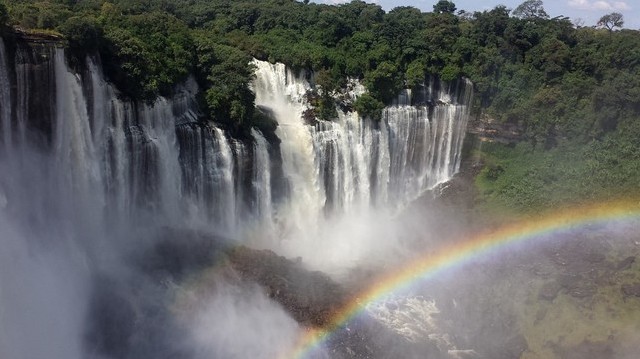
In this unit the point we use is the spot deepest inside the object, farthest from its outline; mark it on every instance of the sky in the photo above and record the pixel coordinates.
(588, 11)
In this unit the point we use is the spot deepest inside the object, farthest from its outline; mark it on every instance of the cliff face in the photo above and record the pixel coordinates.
(488, 129)
(89, 179)
(164, 158)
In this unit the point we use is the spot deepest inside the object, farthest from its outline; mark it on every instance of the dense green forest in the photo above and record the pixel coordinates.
(575, 91)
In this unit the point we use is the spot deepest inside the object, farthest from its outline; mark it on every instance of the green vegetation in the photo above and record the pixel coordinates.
(4, 15)
(570, 88)
(524, 178)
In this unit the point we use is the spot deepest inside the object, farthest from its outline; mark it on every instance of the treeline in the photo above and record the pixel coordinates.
(555, 79)
(562, 83)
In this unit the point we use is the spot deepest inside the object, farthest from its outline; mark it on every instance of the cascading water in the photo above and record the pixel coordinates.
(261, 180)
(278, 89)
(351, 169)
(82, 171)
(129, 160)
(425, 149)
(359, 162)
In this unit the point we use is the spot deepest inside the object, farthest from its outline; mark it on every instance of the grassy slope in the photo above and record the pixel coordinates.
(522, 179)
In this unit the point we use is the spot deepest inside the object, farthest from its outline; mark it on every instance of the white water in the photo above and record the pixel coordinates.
(262, 204)
(72, 196)
(347, 177)
(278, 89)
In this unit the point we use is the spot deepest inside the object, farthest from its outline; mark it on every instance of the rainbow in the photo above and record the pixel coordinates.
(462, 252)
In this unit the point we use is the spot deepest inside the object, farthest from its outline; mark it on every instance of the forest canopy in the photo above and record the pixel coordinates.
(554, 78)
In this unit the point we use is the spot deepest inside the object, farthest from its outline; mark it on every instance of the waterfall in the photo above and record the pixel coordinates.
(5, 98)
(351, 163)
(84, 171)
(124, 161)
(343, 174)
(157, 160)
(278, 89)
(261, 180)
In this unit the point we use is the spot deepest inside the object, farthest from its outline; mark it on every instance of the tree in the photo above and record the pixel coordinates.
(83, 33)
(368, 106)
(4, 14)
(384, 82)
(444, 7)
(612, 20)
(530, 9)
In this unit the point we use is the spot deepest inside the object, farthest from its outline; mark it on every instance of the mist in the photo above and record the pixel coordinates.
(44, 266)
(42, 296)
(228, 320)
(87, 212)
(112, 215)
(136, 230)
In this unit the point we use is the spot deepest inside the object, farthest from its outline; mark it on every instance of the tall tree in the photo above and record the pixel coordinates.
(531, 9)
(444, 7)
(612, 20)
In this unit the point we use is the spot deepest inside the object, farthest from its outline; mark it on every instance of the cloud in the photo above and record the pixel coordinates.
(599, 5)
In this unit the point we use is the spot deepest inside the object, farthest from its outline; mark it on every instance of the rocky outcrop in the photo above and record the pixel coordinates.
(310, 296)
(491, 130)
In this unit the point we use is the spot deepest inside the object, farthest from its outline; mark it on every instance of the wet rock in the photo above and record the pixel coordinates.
(549, 291)
(491, 130)
(176, 253)
(310, 296)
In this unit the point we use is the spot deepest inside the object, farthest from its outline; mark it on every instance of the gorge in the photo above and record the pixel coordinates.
(293, 179)
(90, 179)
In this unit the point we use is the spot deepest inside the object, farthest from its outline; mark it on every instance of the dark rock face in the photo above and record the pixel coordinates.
(487, 129)
(130, 315)
(180, 253)
(34, 90)
(311, 297)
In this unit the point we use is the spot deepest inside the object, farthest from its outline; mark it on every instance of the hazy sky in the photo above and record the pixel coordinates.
(587, 10)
